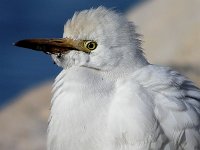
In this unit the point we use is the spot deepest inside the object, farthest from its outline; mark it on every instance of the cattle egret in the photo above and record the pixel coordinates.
(109, 97)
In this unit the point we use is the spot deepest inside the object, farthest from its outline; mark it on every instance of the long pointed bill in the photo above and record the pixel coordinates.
(52, 46)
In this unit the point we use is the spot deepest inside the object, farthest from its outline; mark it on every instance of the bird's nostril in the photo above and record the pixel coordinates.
(58, 41)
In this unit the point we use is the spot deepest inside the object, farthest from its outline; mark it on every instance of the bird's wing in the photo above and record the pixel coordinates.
(159, 109)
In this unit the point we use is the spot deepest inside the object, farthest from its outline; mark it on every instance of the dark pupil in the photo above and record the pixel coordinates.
(91, 45)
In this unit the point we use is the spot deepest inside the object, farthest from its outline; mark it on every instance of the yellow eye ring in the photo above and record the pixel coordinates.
(90, 45)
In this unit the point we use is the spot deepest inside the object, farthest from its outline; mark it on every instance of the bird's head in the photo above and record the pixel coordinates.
(96, 38)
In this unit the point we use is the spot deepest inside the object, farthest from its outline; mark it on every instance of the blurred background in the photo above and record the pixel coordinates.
(171, 35)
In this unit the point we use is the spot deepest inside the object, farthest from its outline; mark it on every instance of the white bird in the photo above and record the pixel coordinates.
(108, 97)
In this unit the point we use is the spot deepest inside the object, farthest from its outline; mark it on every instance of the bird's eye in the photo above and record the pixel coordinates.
(90, 45)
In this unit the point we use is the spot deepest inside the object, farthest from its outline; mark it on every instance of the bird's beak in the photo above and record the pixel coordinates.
(51, 46)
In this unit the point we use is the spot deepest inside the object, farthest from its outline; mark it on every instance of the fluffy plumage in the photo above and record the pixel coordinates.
(113, 99)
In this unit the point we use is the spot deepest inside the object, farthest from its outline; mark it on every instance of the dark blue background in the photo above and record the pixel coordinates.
(22, 68)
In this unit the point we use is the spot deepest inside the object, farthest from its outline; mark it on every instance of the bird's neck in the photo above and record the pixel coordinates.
(128, 66)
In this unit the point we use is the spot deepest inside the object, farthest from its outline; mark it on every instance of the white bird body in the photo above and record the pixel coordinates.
(108, 97)
(152, 108)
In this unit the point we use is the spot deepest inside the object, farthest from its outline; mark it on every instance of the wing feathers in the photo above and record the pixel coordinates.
(177, 104)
